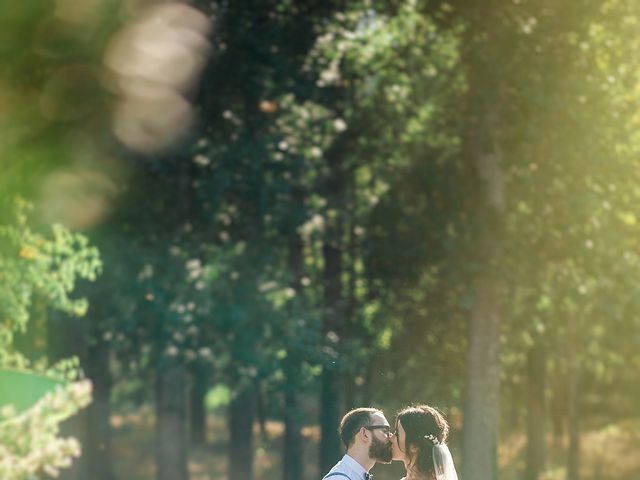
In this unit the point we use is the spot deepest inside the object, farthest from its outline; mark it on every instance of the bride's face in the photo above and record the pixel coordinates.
(398, 443)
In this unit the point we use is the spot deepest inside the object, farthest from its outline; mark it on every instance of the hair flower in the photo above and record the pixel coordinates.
(432, 438)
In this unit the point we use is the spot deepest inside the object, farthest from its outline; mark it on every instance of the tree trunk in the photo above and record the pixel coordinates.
(558, 410)
(97, 449)
(483, 156)
(536, 381)
(352, 328)
(350, 393)
(333, 308)
(293, 415)
(77, 427)
(171, 435)
(242, 414)
(573, 404)
(197, 412)
(261, 412)
(60, 345)
(292, 448)
(481, 413)
(330, 388)
(329, 416)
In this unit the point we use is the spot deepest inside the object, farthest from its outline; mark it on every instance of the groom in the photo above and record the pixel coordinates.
(366, 435)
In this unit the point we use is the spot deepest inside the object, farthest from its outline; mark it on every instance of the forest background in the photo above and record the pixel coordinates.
(244, 218)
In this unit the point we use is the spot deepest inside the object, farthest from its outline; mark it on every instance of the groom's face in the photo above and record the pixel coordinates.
(380, 448)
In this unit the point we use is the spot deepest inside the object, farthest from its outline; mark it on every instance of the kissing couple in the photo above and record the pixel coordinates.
(418, 439)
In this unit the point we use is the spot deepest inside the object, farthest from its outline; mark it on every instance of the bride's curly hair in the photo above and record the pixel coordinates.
(424, 427)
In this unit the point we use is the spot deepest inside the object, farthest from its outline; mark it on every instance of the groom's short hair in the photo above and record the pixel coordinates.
(353, 421)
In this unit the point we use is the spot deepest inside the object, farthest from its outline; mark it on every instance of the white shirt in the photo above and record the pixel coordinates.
(348, 466)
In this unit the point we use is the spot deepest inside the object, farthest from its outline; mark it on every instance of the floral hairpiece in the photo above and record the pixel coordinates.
(432, 438)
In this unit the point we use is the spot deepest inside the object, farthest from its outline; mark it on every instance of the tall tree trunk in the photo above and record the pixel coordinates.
(349, 393)
(352, 329)
(60, 345)
(536, 382)
(573, 404)
(330, 390)
(333, 311)
(97, 449)
(558, 410)
(292, 448)
(171, 418)
(261, 411)
(242, 415)
(481, 414)
(197, 410)
(483, 156)
(76, 427)
(329, 416)
(293, 416)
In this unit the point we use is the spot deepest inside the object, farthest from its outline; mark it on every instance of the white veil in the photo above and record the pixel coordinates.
(443, 463)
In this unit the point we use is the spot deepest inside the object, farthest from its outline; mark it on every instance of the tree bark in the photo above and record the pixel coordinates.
(98, 447)
(333, 311)
(60, 346)
(483, 156)
(573, 404)
(352, 329)
(536, 381)
(242, 414)
(261, 412)
(197, 410)
(171, 435)
(292, 448)
(329, 416)
(349, 393)
(481, 414)
(558, 410)
(293, 415)
(330, 390)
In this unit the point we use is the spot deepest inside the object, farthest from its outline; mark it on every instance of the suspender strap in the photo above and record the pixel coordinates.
(336, 474)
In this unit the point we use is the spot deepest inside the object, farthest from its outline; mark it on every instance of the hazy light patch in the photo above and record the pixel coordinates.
(76, 198)
(81, 12)
(152, 122)
(17, 118)
(56, 38)
(154, 64)
(71, 93)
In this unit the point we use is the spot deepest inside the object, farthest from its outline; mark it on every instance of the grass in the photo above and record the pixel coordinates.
(133, 449)
(608, 453)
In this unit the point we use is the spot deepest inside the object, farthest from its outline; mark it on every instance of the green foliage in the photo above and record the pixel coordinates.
(571, 133)
(30, 445)
(217, 397)
(373, 98)
(35, 266)
(397, 80)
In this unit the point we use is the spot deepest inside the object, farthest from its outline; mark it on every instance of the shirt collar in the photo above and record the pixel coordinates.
(353, 465)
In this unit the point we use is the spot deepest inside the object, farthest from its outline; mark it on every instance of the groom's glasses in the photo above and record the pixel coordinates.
(385, 429)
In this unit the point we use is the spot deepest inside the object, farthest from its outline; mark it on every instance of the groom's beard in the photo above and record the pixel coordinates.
(380, 451)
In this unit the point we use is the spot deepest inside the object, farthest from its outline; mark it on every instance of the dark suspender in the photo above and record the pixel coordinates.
(335, 474)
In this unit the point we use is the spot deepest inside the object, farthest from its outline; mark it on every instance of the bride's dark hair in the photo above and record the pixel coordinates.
(423, 426)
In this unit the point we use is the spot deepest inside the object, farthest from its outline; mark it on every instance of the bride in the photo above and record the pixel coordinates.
(419, 442)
